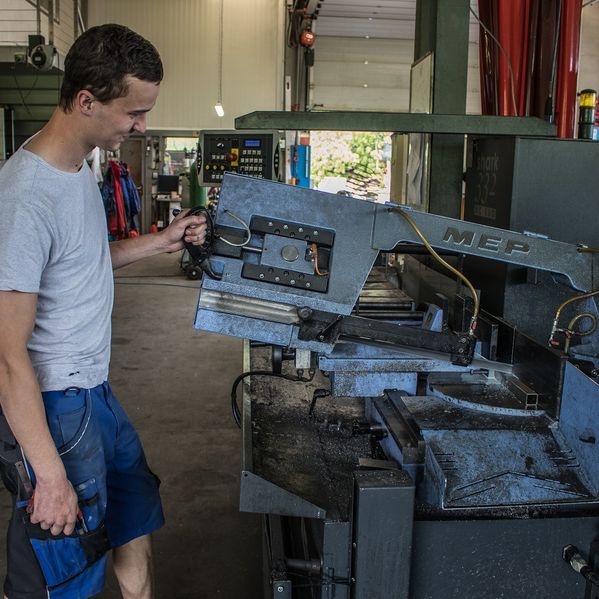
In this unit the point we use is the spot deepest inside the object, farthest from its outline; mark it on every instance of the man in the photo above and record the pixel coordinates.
(76, 444)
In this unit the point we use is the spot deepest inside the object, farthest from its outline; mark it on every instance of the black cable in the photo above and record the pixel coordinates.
(292, 25)
(235, 407)
(572, 556)
(505, 55)
(58, 83)
(200, 252)
(549, 105)
(25, 105)
(289, 23)
(318, 394)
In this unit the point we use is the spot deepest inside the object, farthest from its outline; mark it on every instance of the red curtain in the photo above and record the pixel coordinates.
(541, 39)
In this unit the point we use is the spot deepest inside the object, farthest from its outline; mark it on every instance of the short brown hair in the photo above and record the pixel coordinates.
(101, 58)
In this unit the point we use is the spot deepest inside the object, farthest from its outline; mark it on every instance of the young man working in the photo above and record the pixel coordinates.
(56, 291)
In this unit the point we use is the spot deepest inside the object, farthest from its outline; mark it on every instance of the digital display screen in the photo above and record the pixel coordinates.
(252, 143)
(167, 183)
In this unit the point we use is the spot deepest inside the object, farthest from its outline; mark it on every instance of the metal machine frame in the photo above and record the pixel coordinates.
(431, 473)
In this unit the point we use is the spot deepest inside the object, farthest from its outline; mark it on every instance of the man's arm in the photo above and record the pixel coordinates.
(192, 229)
(55, 505)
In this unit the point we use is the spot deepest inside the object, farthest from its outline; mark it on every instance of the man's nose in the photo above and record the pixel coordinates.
(140, 124)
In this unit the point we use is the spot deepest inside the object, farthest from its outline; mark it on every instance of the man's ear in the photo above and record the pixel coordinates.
(84, 101)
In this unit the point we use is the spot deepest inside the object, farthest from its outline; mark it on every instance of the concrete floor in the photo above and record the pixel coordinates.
(175, 383)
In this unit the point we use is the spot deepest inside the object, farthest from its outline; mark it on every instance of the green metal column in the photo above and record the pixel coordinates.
(442, 28)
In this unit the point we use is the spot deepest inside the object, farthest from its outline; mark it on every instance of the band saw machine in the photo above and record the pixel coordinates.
(463, 459)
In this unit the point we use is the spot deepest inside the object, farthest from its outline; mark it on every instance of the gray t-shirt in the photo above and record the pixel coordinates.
(53, 242)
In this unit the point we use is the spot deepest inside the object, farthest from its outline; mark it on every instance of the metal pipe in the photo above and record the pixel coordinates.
(251, 249)
(531, 57)
(311, 566)
(80, 17)
(51, 22)
(75, 19)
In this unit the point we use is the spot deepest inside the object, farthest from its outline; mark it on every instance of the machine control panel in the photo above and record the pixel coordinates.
(252, 153)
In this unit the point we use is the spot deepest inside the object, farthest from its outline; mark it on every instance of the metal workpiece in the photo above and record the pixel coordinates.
(361, 370)
(353, 357)
(398, 122)
(401, 441)
(230, 303)
(368, 371)
(499, 395)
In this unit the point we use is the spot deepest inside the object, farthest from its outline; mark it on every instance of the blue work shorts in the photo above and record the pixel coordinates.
(118, 498)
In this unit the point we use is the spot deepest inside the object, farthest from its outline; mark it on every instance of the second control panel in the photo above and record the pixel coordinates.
(253, 153)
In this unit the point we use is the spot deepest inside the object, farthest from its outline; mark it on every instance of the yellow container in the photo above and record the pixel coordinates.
(588, 97)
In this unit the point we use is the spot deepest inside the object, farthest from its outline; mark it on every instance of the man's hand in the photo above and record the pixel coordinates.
(191, 229)
(55, 505)
(55, 502)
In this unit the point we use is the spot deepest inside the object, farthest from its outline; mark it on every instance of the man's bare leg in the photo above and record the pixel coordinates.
(133, 568)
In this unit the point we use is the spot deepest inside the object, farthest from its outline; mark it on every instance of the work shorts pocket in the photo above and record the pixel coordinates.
(70, 428)
(62, 558)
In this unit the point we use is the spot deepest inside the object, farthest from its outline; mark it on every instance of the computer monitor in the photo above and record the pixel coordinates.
(168, 184)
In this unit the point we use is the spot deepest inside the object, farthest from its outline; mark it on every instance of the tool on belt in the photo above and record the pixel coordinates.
(81, 526)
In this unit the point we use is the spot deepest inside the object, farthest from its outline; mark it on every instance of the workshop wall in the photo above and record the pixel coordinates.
(356, 73)
(186, 33)
(588, 73)
(18, 20)
(362, 74)
(373, 73)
